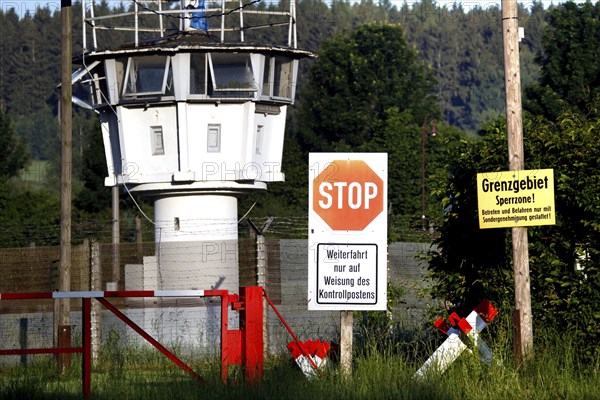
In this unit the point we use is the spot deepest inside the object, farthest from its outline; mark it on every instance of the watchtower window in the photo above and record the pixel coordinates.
(156, 140)
(282, 78)
(267, 79)
(100, 85)
(120, 68)
(278, 78)
(259, 139)
(213, 138)
(231, 72)
(148, 76)
(198, 73)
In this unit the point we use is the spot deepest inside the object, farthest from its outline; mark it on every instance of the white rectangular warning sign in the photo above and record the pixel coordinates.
(347, 273)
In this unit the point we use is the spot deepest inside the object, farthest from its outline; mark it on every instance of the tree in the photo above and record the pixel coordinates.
(14, 153)
(355, 80)
(28, 215)
(8, 42)
(570, 73)
(565, 258)
(41, 130)
(368, 92)
(25, 214)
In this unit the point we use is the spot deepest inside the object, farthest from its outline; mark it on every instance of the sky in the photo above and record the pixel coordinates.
(21, 6)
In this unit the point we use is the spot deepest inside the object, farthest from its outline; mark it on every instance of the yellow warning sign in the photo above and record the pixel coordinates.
(516, 198)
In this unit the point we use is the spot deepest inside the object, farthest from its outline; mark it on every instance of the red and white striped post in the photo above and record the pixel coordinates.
(462, 333)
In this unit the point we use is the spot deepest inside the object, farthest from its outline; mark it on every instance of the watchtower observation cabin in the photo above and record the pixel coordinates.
(192, 103)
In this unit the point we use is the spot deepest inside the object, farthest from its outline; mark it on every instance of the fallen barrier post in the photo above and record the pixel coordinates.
(463, 333)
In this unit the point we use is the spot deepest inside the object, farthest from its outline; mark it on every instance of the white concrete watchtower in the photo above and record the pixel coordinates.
(192, 103)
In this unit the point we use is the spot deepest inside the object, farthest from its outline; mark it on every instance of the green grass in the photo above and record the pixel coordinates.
(554, 372)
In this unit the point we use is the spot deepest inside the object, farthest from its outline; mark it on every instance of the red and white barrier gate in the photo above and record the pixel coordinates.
(242, 346)
(462, 333)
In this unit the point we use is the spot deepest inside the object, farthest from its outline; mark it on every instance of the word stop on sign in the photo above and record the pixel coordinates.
(354, 194)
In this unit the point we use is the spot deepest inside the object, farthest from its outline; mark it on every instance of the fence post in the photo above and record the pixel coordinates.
(86, 359)
(96, 312)
(82, 256)
(138, 236)
(262, 263)
(23, 325)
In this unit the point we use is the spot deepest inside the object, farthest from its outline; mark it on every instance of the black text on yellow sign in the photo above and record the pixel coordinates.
(516, 198)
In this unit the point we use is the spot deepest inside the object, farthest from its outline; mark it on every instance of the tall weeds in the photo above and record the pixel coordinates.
(381, 370)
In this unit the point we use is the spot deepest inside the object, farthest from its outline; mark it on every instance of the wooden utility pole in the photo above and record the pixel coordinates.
(66, 122)
(514, 125)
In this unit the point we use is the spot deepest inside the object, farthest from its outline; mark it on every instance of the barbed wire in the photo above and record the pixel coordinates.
(402, 228)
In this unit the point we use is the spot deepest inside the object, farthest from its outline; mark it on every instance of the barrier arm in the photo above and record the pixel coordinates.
(149, 338)
(238, 346)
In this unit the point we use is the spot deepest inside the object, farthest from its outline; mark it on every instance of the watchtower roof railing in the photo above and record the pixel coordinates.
(137, 22)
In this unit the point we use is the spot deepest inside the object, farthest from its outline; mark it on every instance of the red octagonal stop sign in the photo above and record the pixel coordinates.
(348, 195)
